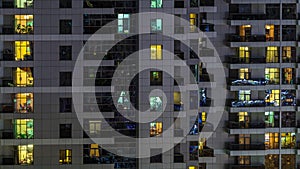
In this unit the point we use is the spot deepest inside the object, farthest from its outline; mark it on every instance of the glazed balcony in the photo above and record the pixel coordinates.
(243, 125)
(252, 146)
(250, 38)
(251, 166)
(246, 16)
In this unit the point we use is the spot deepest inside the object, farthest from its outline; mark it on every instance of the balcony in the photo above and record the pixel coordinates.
(252, 146)
(246, 16)
(249, 82)
(249, 103)
(237, 166)
(233, 59)
(250, 38)
(243, 125)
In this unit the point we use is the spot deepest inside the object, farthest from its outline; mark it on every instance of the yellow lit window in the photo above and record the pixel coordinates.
(24, 24)
(25, 154)
(270, 32)
(272, 75)
(243, 116)
(65, 156)
(24, 102)
(273, 97)
(23, 77)
(272, 54)
(244, 73)
(288, 76)
(245, 30)
(156, 52)
(193, 22)
(22, 50)
(155, 129)
(244, 54)
(202, 143)
(193, 167)
(94, 152)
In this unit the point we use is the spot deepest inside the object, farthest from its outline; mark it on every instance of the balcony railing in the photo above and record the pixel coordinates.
(241, 125)
(246, 16)
(250, 38)
(237, 59)
(258, 166)
(252, 146)
(250, 103)
(249, 82)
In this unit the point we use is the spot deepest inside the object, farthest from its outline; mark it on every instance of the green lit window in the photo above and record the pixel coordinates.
(156, 3)
(156, 25)
(124, 100)
(156, 104)
(24, 3)
(244, 95)
(123, 23)
(156, 78)
(24, 128)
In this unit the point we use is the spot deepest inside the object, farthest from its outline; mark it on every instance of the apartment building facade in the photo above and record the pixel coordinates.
(257, 42)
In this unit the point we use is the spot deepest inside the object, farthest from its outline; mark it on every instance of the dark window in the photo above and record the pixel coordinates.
(65, 78)
(155, 158)
(65, 53)
(65, 3)
(65, 105)
(65, 131)
(65, 26)
(156, 78)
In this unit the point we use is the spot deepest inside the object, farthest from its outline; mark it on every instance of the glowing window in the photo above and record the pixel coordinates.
(24, 102)
(272, 75)
(156, 78)
(156, 3)
(156, 25)
(272, 97)
(24, 24)
(155, 129)
(193, 22)
(24, 3)
(156, 52)
(272, 54)
(124, 100)
(23, 77)
(23, 50)
(244, 95)
(24, 128)
(244, 73)
(65, 156)
(156, 104)
(123, 23)
(244, 53)
(25, 154)
(95, 127)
